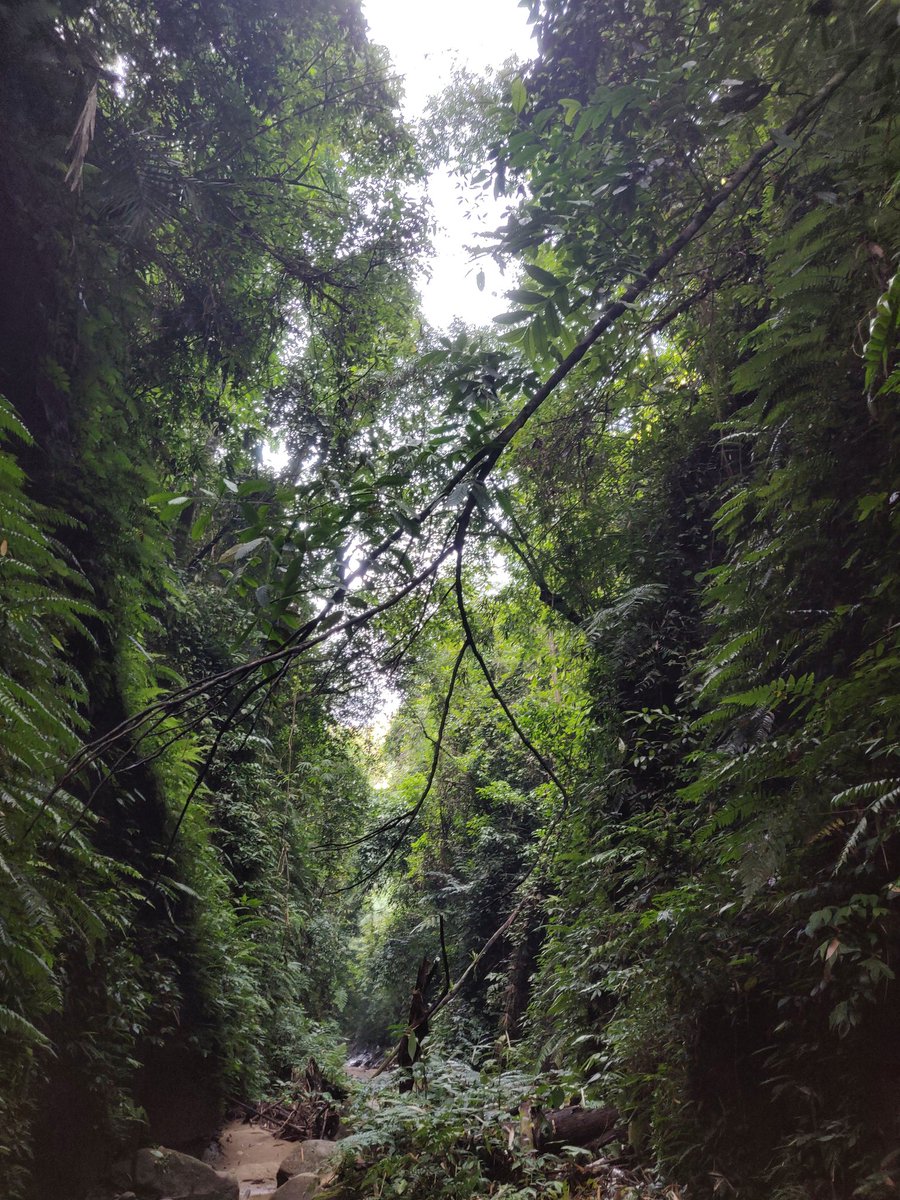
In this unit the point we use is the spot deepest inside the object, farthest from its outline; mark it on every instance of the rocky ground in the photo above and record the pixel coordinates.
(253, 1156)
(246, 1160)
(265, 1166)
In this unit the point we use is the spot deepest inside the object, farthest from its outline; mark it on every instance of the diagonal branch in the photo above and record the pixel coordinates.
(451, 992)
(481, 463)
(406, 819)
(520, 733)
(553, 600)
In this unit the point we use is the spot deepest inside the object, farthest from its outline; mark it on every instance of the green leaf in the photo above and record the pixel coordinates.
(242, 550)
(585, 122)
(12, 1022)
(200, 526)
(513, 318)
(572, 108)
(866, 505)
(545, 277)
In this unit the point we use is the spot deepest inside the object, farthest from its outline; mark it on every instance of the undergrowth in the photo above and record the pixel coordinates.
(464, 1132)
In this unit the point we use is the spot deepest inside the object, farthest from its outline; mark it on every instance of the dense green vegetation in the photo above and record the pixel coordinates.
(629, 557)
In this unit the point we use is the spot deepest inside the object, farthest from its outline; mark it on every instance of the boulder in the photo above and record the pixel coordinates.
(307, 1158)
(119, 1175)
(299, 1187)
(169, 1175)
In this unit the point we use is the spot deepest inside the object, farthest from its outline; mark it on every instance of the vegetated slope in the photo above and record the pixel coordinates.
(179, 207)
(710, 929)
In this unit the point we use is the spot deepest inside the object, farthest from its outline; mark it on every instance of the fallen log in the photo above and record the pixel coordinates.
(577, 1126)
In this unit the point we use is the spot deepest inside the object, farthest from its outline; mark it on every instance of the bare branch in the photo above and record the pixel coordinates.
(406, 819)
(523, 737)
(478, 466)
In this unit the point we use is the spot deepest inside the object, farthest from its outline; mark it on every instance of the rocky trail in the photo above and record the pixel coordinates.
(252, 1155)
(265, 1165)
(246, 1160)
(262, 1162)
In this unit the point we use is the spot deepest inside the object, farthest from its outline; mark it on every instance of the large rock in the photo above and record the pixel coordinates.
(119, 1176)
(299, 1187)
(169, 1175)
(307, 1158)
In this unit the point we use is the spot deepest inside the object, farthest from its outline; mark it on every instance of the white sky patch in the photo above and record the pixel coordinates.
(389, 705)
(499, 575)
(426, 42)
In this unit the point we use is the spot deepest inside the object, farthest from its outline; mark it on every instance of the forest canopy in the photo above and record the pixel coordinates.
(627, 558)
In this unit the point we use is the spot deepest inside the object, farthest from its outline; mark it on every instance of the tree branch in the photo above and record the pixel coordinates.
(523, 737)
(480, 464)
(408, 817)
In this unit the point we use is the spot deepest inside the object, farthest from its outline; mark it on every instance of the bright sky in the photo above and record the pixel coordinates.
(425, 41)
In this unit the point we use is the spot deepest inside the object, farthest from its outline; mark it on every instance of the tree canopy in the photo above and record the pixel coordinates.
(627, 558)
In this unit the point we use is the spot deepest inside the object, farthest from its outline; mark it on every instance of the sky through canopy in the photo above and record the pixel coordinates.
(426, 42)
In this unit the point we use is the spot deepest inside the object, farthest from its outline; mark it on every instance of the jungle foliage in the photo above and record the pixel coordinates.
(192, 198)
(629, 558)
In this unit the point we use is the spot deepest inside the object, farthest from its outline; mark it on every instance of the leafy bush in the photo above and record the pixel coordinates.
(455, 1136)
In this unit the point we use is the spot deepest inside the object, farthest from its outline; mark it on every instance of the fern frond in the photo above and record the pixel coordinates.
(14, 1023)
